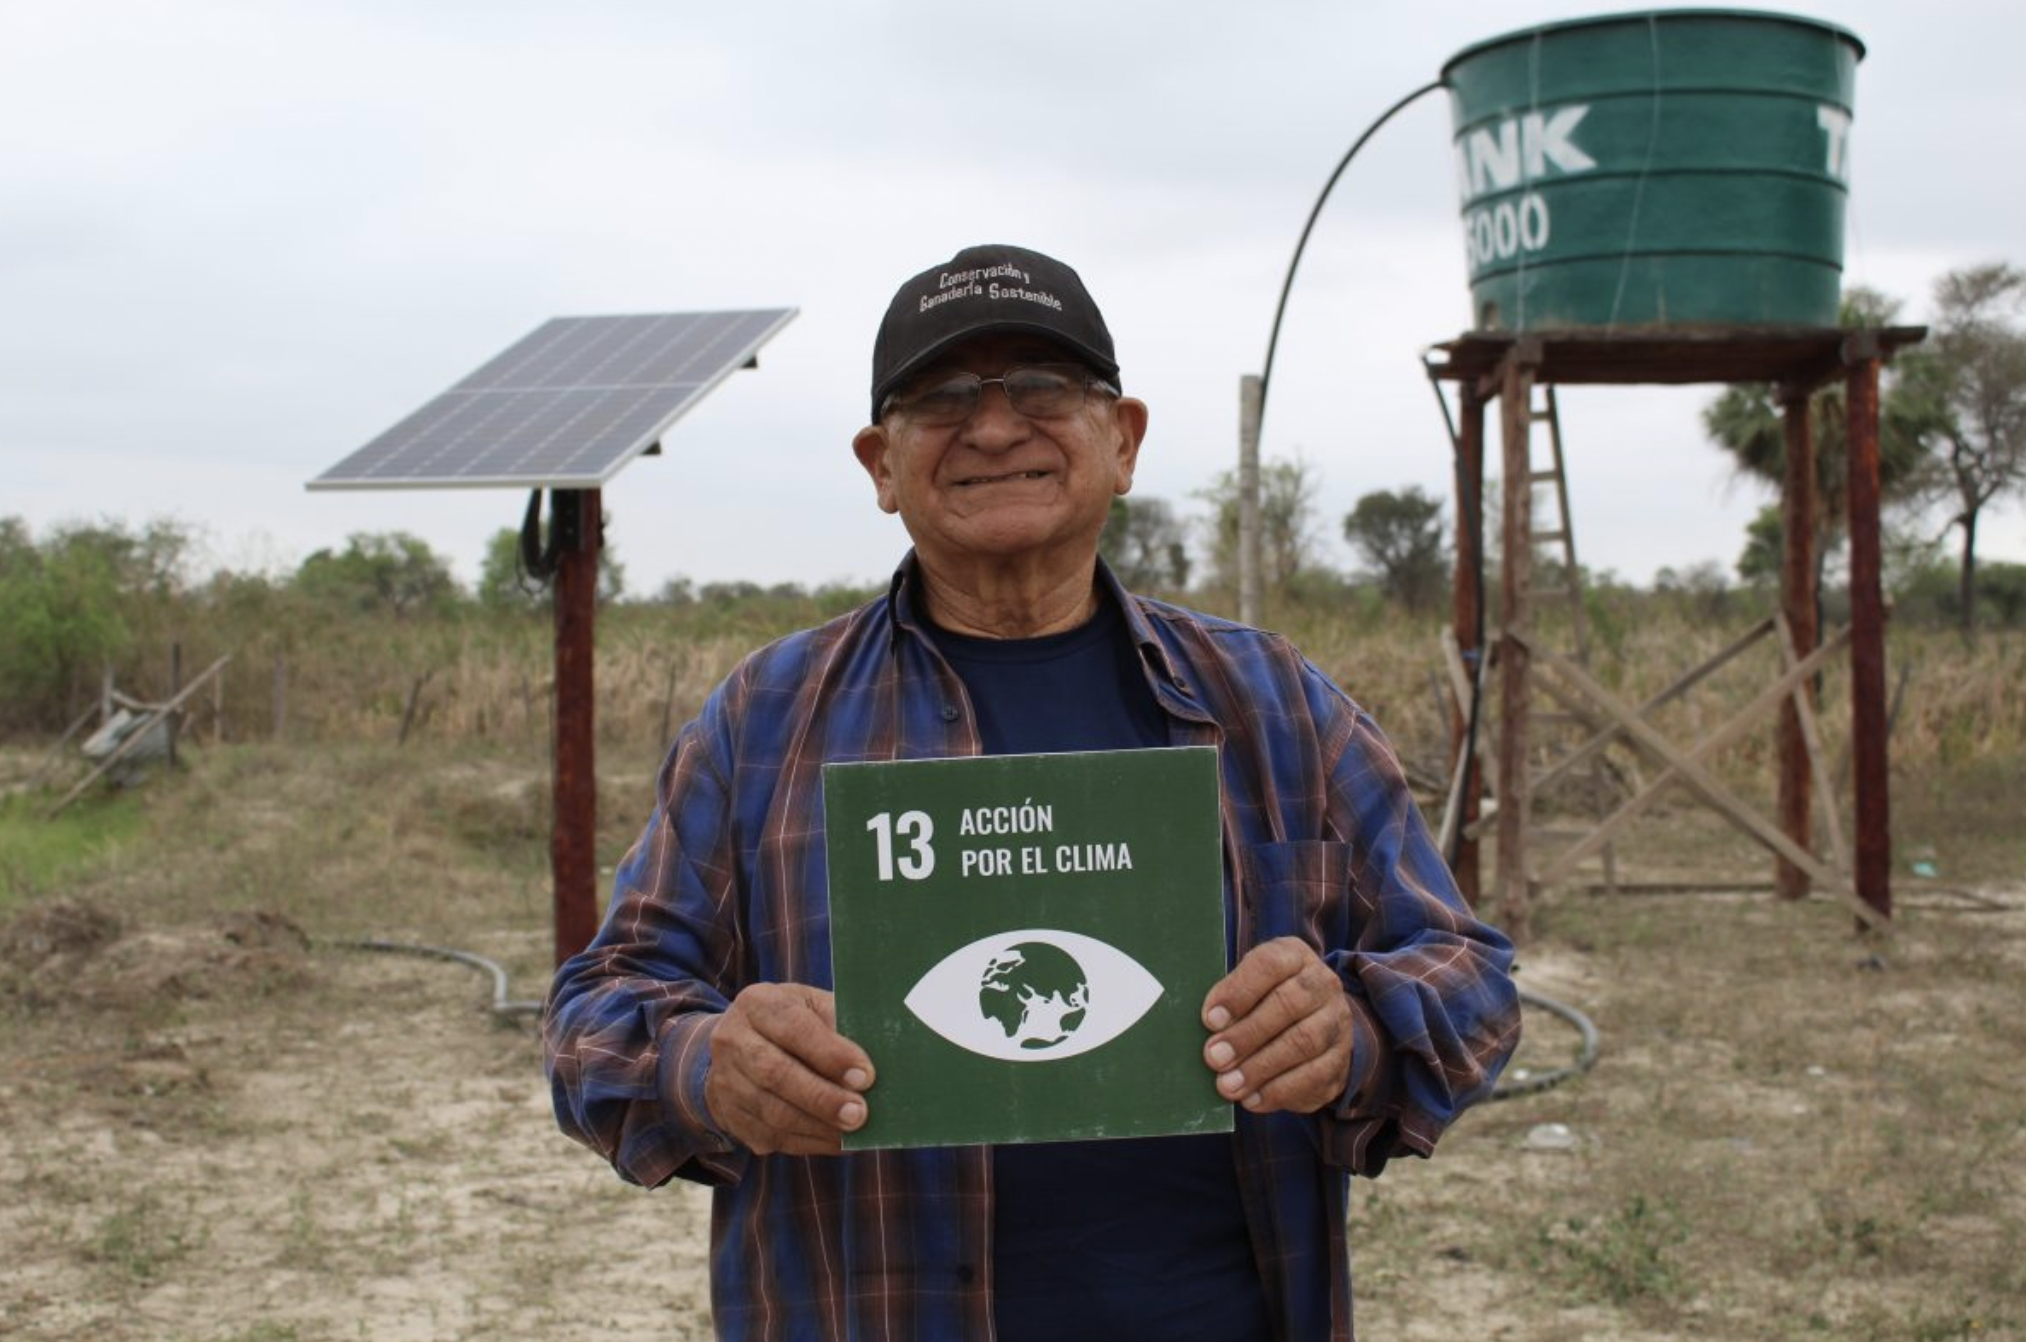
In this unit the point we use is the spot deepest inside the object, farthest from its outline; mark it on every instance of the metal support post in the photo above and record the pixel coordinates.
(573, 842)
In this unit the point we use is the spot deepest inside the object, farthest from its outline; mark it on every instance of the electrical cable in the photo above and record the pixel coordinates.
(1266, 383)
(1287, 285)
(537, 561)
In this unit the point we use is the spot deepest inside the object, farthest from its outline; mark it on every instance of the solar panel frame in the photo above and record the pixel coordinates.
(565, 407)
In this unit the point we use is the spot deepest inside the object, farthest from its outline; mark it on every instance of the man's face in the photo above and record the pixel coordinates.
(1001, 487)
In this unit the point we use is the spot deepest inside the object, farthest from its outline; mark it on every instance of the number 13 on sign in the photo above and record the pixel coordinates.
(915, 829)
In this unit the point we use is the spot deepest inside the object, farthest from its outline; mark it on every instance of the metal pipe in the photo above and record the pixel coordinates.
(573, 841)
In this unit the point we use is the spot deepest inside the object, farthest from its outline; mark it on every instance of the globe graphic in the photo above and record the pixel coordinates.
(1035, 992)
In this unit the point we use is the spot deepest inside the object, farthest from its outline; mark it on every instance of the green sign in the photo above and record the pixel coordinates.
(1023, 943)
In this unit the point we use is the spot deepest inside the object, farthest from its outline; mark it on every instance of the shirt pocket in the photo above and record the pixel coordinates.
(1304, 888)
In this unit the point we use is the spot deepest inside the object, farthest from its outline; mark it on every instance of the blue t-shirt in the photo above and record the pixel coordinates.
(1140, 1238)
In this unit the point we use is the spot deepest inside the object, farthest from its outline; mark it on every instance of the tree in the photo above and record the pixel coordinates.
(1765, 552)
(1401, 535)
(1746, 422)
(1702, 588)
(1973, 376)
(1931, 594)
(503, 583)
(1286, 522)
(611, 575)
(1759, 563)
(1146, 545)
(60, 616)
(379, 570)
(727, 593)
(2004, 586)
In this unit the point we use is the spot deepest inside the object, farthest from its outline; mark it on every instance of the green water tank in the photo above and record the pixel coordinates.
(1676, 168)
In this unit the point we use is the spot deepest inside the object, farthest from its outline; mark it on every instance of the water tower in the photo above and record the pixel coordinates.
(1659, 198)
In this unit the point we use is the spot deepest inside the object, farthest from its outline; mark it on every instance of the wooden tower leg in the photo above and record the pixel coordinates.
(1465, 610)
(1797, 603)
(1516, 529)
(1867, 626)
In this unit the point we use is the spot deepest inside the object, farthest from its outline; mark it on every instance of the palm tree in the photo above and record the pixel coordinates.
(1746, 422)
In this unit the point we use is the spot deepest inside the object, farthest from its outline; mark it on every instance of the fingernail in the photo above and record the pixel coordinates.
(1218, 1018)
(1231, 1083)
(1221, 1054)
(856, 1078)
(851, 1114)
(1253, 1101)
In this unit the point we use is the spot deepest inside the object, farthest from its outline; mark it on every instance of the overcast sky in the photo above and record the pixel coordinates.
(239, 240)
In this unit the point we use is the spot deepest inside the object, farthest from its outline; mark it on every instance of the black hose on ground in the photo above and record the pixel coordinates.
(1586, 1050)
(502, 1005)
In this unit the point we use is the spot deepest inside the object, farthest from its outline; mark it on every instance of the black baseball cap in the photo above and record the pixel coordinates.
(978, 291)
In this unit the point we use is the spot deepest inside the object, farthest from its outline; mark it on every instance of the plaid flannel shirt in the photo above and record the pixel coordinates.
(726, 887)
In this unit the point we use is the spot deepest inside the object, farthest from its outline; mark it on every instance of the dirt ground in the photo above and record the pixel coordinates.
(214, 1128)
(285, 1142)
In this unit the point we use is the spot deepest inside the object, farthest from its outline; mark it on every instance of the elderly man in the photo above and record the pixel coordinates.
(696, 1036)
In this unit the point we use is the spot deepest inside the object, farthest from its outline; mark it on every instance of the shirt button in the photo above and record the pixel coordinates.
(949, 712)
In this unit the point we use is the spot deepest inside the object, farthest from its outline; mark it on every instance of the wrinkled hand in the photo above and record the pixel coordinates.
(1281, 1030)
(782, 1080)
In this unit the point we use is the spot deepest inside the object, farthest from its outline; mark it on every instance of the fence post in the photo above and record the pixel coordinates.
(280, 696)
(668, 705)
(175, 688)
(1250, 397)
(414, 700)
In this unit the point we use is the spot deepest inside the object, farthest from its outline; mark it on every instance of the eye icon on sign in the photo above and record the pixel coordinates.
(1033, 995)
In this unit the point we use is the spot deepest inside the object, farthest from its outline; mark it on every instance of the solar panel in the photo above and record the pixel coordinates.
(565, 407)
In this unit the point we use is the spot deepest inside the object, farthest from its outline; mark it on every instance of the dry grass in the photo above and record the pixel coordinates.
(1790, 1135)
(477, 678)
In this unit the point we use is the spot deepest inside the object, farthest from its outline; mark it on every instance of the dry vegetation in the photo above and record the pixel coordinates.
(483, 678)
(219, 1125)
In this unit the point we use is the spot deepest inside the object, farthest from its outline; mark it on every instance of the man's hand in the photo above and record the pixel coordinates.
(782, 1080)
(1282, 1030)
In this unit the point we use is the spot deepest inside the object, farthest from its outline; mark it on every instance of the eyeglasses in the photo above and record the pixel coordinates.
(1039, 391)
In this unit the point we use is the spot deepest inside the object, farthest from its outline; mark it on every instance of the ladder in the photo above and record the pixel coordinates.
(1558, 585)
